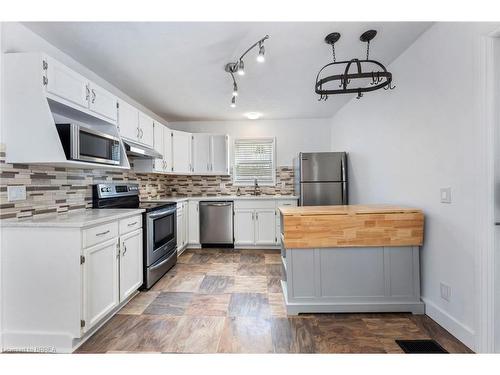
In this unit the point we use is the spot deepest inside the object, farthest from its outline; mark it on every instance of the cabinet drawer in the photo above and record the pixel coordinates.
(99, 234)
(130, 223)
(254, 204)
(286, 203)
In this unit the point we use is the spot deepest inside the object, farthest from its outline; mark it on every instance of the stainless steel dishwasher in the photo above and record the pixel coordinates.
(216, 223)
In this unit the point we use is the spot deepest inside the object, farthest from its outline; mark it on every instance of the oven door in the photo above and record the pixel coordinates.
(161, 227)
(97, 147)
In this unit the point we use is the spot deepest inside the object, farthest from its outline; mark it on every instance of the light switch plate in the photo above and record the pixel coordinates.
(446, 195)
(16, 193)
(283, 184)
(222, 185)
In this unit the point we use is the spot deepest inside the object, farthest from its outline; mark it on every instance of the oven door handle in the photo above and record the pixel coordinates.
(161, 263)
(157, 214)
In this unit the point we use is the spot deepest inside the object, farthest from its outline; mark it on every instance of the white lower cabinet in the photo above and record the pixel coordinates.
(101, 284)
(130, 263)
(265, 227)
(244, 229)
(182, 226)
(194, 223)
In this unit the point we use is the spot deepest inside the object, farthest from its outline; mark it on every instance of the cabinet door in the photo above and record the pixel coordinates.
(128, 121)
(158, 145)
(219, 154)
(201, 153)
(181, 151)
(167, 153)
(180, 228)
(103, 102)
(100, 281)
(146, 130)
(244, 231)
(130, 263)
(67, 84)
(265, 227)
(194, 223)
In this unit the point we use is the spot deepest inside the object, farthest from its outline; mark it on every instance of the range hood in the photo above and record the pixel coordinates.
(138, 150)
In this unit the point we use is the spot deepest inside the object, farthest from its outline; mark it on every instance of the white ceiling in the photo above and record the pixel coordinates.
(176, 69)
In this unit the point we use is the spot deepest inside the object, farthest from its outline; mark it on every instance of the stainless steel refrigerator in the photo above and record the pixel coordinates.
(321, 178)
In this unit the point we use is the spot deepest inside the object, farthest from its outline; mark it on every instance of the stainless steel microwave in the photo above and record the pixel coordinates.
(88, 145)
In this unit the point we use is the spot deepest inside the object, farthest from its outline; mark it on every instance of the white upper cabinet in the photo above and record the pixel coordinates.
(181, 152)
(65, 83)
(103, 102)
(128, 120)
(201, 153)
(219, 154)
(146, 129)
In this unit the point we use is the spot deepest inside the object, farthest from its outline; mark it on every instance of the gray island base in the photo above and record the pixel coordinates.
(351, 279)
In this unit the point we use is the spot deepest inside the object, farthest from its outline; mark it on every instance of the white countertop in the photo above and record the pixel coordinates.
(225, 198)
(75, 219)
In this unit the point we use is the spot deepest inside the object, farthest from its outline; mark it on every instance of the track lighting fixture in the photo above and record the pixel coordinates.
(239, 66)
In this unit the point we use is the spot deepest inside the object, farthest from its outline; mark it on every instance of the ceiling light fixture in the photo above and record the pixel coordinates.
(338, 83)
(239, 66)
(253, 115)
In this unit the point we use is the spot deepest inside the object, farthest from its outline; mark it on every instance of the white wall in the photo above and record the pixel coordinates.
(292, 136)
(405, 144)
(18, 38)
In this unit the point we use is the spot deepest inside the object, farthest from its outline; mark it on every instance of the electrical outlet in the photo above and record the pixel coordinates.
(16, 193)
(283, 184)
(222, 185)
(445, 291)
(445, 195)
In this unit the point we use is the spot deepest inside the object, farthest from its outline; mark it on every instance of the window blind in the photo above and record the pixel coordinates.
(254, 159)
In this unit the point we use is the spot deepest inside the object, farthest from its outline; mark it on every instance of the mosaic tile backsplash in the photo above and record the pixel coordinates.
(58, 190)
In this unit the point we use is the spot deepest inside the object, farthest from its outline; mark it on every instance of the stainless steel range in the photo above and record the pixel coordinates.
(159, 226)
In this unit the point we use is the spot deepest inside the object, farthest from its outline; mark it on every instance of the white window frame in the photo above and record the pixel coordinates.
(273, 167)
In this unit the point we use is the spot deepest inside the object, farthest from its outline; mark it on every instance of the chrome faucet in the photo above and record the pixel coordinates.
(256, 188)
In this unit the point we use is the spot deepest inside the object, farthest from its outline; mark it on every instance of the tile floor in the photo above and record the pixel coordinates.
(230, 301)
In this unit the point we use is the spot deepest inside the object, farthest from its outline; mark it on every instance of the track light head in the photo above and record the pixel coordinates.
(241, 68)
(260, 57)
(235, 89)
(233, 102)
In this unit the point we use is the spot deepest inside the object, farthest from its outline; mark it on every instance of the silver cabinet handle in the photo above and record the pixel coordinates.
(87, 93)
(256, 216)
(102, 233)
(138, 132)
(131, 224)
(93, 96)
(118, 250)
(253, 216)
(124, 249)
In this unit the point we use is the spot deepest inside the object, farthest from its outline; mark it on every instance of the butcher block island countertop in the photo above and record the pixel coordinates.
(351, 226)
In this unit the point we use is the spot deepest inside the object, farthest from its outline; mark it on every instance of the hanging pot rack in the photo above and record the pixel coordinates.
(380, 78)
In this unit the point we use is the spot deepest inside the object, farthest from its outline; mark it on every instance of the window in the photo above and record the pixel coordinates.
(254, 159)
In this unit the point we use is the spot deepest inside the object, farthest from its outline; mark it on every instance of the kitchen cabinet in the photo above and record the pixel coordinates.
(103, 102)
(181, 152)
(244, 227)
(265, 226)
(72, 87)
(65, 83)
(128, 120)
(201, 153)
(90, 267)
(101, 283)
(182, 226)
(130, 263)
(146, 129)
(210, 154)
(162, 142)
(194, 223)
(219, 154)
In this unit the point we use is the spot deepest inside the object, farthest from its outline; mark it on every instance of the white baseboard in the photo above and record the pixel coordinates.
(462, 332)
